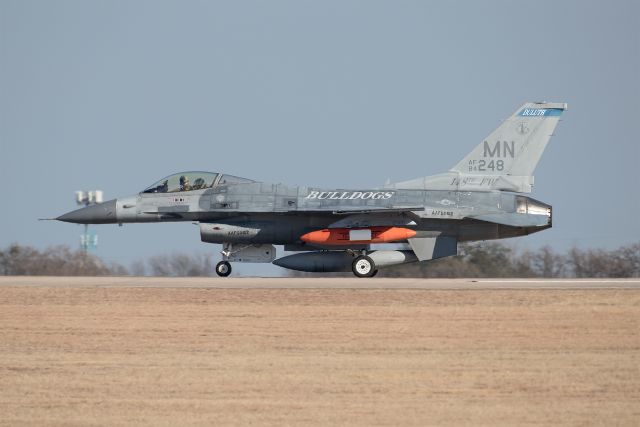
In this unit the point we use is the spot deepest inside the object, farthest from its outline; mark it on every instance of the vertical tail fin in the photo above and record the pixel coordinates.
(504, 160)
(515, 147)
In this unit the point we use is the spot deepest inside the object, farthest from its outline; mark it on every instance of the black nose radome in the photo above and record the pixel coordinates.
(101, 213)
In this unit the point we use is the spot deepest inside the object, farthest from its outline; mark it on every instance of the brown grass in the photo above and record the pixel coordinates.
(115, 356)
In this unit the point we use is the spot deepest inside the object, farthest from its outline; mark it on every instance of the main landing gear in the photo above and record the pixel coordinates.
(363, 266)
(223, 268)
(239, 252)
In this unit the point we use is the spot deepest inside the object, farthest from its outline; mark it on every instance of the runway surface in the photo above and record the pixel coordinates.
(318, 351)
(317, 283)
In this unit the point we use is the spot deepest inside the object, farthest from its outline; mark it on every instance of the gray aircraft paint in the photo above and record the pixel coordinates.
(480, 198)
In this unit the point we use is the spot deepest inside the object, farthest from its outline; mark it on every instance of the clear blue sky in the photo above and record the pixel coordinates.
(113, 95)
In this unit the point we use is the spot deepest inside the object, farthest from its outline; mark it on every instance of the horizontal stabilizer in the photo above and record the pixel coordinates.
(515, 219)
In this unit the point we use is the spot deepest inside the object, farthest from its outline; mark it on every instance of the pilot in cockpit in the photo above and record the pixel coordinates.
(184, 183)
(199, 183)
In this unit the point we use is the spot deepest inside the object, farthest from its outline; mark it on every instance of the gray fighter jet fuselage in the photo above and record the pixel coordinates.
(334, 229)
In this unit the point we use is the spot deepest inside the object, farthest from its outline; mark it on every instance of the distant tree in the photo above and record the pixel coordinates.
(544, 262)
(622, 262)
(138, 268)
(491, 259)
(180, 265)
(628, 261)
(54, 261)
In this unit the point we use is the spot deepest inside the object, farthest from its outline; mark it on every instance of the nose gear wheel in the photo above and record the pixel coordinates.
(223, 268)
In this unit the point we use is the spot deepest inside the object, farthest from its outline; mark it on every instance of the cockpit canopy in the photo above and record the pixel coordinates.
(183, 181)
(189, 181)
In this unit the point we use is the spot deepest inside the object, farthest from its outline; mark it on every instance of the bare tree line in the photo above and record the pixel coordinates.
(498, 260)
(18, 260)
(487, 259)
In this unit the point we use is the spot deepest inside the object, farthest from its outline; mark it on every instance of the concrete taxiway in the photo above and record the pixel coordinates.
(317, 283)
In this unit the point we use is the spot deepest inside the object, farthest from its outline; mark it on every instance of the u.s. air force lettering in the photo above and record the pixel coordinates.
(349, 195)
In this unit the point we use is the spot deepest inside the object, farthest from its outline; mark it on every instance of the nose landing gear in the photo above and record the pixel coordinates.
(240, 252)
(223, 268)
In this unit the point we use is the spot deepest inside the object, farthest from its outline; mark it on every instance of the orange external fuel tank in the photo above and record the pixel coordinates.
(346, 236)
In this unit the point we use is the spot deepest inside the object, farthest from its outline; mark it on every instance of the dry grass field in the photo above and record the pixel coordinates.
(198, 356)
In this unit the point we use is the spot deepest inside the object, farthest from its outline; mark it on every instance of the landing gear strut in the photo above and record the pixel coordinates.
(223, 268)
(363, 266)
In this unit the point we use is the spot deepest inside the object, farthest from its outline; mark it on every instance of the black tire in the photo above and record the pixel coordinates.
(223, 268)
(363, 266)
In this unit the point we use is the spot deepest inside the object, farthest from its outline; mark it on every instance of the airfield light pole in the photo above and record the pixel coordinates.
(86, 198)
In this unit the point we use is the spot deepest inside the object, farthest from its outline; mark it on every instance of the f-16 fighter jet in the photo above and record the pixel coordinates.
(362, 230)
